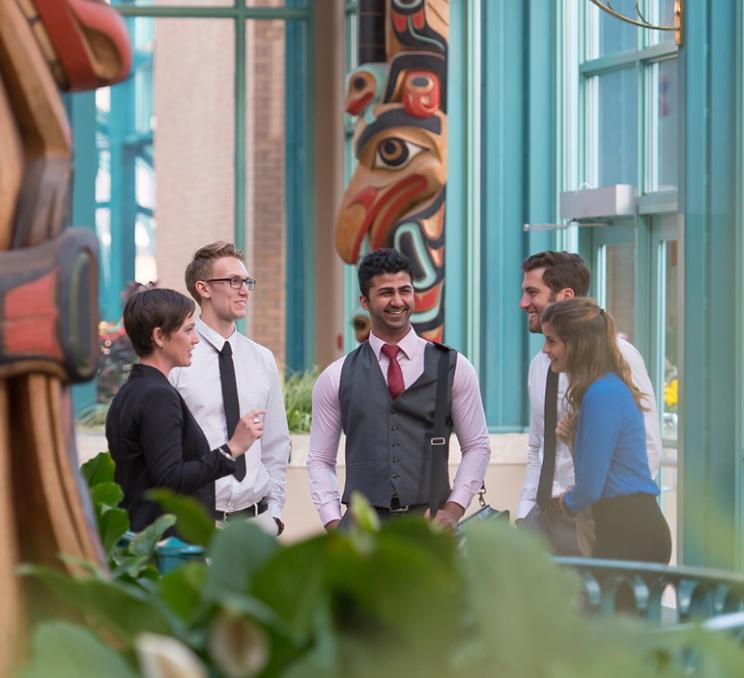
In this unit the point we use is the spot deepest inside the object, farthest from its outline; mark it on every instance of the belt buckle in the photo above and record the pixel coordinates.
(399, 509)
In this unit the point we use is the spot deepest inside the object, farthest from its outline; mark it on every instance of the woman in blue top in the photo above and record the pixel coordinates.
(605, 430)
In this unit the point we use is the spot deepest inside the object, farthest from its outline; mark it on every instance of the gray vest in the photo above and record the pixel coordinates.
(387, 441)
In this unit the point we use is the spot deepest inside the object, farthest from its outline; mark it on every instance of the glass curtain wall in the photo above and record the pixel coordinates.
(206, 140)
(629, 112)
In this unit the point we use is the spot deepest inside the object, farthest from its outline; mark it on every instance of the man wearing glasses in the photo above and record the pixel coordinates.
(229, 376)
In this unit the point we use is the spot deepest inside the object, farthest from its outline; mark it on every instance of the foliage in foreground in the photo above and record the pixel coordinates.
(400, 600)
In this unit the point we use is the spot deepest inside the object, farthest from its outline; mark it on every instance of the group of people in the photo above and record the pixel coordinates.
(202, 412)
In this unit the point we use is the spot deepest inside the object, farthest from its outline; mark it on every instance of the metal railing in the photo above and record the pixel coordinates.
(661, 594)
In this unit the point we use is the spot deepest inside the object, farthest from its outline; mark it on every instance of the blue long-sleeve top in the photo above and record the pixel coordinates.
(610, 458)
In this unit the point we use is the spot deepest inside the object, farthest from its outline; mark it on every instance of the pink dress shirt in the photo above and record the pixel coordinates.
(468, 418)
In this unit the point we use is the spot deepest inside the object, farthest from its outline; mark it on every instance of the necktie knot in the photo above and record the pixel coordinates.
(226, 349)
(390, 350)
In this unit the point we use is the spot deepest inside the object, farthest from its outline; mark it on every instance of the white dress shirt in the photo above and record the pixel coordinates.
(468, 417)
(564, 469)
(259, 387)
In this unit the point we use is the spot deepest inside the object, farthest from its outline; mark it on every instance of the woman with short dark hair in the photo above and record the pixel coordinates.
(606, 432)
(152, 436)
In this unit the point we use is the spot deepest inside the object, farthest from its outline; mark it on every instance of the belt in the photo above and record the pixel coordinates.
(396, 507)
(250, 512)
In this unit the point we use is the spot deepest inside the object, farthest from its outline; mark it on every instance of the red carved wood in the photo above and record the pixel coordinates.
(48, 288)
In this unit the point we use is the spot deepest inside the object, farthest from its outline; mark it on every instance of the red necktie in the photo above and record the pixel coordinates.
(395, 374)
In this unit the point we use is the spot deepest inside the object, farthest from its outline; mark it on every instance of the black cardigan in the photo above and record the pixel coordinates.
(156, 442)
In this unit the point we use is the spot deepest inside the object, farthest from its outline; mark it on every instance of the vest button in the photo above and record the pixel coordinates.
(395, 475)
(395, 444)
(393, 428)
(395, 460)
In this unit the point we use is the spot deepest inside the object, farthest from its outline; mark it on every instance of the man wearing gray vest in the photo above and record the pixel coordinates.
(382, 396)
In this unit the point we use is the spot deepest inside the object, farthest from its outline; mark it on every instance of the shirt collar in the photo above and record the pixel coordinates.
(212, 337)
(408, 345)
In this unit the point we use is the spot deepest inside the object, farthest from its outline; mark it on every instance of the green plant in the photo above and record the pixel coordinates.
(298, 389)
(404, 599)
(132, 557)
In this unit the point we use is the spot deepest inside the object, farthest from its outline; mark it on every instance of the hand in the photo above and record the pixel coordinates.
(447, 517)
(560, 499)
(562, 431)
(331, 525)
(247, 432)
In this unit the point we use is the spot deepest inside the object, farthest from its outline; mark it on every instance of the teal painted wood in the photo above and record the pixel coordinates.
(738, 297)
(123, 201)
(708, 390)
(239, 139)
(299, 197)
(81, 109)
(542, 163)
(456, 225)
(503, 328)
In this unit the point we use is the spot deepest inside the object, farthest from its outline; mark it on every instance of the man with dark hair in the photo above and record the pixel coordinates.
(382, 396)
(230, 375)
(550, 277)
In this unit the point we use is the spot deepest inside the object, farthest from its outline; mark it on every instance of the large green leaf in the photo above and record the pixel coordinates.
(99, 469)
(293, 581)
(122, 610)
(112, 524)
(143, 543)
(106, 494)
(63, 650)
(193, 522)
(236, 554)
(181, 589)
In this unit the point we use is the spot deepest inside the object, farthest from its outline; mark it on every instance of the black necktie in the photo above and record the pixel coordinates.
(230, 401)
(545, 485)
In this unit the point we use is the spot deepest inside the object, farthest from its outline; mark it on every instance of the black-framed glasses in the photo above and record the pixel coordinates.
(236, 282)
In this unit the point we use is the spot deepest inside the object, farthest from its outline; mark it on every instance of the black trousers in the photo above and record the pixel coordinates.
(631, 528)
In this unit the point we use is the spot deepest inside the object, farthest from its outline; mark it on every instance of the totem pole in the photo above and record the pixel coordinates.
(48, 287)
(396, 195)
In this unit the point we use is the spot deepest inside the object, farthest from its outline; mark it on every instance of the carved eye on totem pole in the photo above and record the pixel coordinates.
(395, 153)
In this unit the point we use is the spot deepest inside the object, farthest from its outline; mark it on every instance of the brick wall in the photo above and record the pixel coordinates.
(194, 157)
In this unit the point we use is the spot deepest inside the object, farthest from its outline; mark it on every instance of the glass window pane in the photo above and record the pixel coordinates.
(669, 398)
(614, 129)
(663, 15)
(615, 35)
(663, 78)
(619, 293)
(670, 297)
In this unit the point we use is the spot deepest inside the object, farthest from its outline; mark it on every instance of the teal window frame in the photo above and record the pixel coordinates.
(299, 200)
(299, 150)
(639, 229)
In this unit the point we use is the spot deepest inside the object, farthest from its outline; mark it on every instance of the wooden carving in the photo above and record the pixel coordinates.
(48, 286)
(396, 195)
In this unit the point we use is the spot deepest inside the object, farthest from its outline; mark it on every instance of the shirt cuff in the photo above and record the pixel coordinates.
(329, 512)
(275, 510)
(461, 496)
(525, 506)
